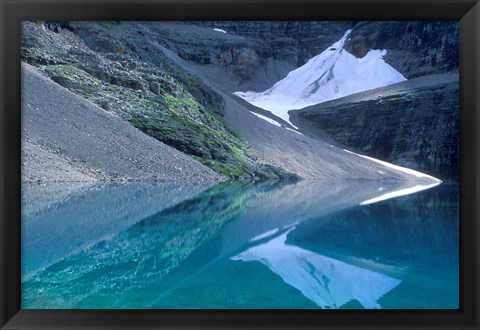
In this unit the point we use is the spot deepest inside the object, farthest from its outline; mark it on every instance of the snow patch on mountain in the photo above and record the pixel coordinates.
(330, 75)
(294, 131)
(398, 168)
(269, 120)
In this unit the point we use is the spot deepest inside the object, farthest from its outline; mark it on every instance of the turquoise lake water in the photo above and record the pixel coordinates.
(266, 245)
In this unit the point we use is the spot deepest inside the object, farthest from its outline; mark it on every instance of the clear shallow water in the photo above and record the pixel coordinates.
(239, 245)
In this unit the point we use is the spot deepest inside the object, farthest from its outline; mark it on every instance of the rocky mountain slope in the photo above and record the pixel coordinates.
(427, 142)
(285, 147)
(174, 82)
(111, 66)
(67, 138)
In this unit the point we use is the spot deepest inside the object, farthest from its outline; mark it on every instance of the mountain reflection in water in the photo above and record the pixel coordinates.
(327, 282)
(269, 244)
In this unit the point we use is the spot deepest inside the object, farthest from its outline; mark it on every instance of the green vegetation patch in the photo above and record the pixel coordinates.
(74, 79)
(211, 144)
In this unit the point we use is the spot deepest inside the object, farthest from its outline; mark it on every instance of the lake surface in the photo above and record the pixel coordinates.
(240, 245)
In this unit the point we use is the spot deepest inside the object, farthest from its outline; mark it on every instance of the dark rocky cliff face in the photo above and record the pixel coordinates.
(414, 125)
(294, 41)
(247, 46)
(414, 48)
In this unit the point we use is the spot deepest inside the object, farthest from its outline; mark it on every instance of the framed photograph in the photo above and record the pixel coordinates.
(239, 165)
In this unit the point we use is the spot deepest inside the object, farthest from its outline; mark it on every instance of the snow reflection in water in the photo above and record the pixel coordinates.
(328, 282)
(308, 245)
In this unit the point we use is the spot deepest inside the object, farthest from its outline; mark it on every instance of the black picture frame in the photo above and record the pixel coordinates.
(15, 11)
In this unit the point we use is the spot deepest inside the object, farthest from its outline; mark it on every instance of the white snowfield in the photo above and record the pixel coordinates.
(269, 120)
(328, 282)
(330, 75)
(294, 131)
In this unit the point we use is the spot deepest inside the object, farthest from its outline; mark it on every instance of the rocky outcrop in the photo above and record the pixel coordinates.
(412, 124)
